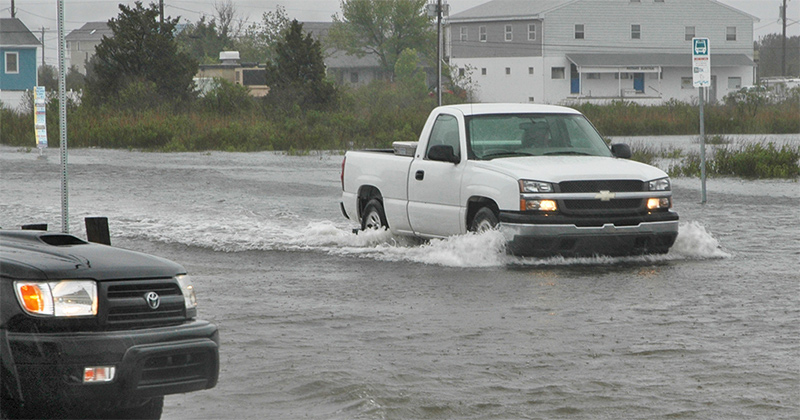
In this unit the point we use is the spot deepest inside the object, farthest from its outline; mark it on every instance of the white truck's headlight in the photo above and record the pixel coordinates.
(64, 298)
(188, 290)
(660, 185)
(528, 186)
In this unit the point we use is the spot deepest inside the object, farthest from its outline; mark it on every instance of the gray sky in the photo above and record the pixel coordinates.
(37, 14)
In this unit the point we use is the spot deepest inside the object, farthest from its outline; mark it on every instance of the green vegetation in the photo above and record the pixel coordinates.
(749, 161)
(680, 118)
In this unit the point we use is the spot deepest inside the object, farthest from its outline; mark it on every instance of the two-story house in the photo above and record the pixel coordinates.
(81, 43)
(567, 51)
(18, 71)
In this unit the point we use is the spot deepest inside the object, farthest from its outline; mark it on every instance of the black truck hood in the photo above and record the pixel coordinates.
(38, 255)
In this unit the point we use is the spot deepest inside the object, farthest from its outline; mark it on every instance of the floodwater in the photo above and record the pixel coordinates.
(319, 323)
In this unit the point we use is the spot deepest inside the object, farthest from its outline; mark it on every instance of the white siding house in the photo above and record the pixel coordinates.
(567, 51)
(81, 43)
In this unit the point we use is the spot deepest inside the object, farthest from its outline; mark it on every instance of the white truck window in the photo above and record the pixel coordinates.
(445, 132)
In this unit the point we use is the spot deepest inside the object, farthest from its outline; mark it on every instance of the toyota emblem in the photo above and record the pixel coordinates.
(152, 300)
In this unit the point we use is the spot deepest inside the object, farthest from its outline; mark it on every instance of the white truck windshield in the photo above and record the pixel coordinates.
(504, 135)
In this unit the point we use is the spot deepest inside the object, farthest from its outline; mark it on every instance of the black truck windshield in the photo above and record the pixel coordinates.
(504, 135)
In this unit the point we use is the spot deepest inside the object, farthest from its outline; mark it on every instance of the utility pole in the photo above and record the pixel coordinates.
(13, 10)
(439, 53)
(783, 40)
(438, 9)
(161, 7)
(43, 29)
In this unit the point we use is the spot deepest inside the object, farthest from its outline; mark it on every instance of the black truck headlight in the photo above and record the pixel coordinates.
(65, 298)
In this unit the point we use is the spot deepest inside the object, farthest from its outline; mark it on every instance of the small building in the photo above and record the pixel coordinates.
(18, 69)
(250, 75)
(572, 51)
(81, 43)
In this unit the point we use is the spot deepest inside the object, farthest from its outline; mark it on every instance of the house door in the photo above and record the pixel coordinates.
(575, 79)
(638, 82)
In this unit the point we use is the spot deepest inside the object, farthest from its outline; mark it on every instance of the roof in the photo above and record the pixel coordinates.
(527, 9)
(655, 59)
(510, 108)
(14, 32)
(91, 31)
(508, 9)
(318, 30)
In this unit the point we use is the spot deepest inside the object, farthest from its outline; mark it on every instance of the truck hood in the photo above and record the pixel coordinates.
(552, 168)
(34, 255)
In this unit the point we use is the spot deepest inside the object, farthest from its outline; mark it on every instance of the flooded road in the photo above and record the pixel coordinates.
(316, 322)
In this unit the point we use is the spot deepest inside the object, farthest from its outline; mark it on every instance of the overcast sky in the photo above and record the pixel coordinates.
(38, 14)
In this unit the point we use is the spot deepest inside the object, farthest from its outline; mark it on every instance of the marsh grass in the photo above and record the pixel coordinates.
(746, 160)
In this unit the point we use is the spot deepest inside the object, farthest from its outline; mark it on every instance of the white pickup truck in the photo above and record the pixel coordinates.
(540, 173)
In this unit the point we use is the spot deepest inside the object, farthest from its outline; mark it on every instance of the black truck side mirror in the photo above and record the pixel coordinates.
(621, 150)
(443, 153)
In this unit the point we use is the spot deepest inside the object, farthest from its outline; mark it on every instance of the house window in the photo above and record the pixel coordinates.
(659, 1)
(636, 1)
(462, 72)
(482, 32)
(579, 31)
(595, 76)
(12, 62)
(531, 32)
(557, 72)
(354, 77)
(734, 83)
(508, 70)
(530, 99)
(636, 31)
(687, 83)
(689, 31)
(530, 70)
(731, 33)
(509, 33)
(463, 33)
(483, 71)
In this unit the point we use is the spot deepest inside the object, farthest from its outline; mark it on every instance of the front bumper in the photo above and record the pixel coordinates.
(149, 362)
(548, 235)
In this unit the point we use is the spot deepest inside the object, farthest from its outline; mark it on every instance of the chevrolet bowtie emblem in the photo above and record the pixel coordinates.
(605, 195)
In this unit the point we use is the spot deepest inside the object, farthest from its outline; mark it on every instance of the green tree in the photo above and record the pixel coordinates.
(770, 53)
(257, 42)
(143, 53)
(48, 77)
(298, 74)
(202, 41)
(205, 39)
(409, 74)
(384, 28)
(75, 79)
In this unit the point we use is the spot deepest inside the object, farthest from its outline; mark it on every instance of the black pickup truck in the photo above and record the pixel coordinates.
(94, 331)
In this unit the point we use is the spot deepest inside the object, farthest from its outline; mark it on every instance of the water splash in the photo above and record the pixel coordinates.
(290, 232)
(695, 242)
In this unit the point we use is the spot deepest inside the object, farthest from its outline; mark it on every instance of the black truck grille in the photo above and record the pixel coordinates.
(126, 304)
(621, 206)
(613, 185)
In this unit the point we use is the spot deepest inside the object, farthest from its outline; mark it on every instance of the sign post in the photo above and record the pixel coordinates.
(701, 78)
(40, 118)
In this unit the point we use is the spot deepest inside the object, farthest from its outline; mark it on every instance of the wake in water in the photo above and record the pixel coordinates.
(289, 232)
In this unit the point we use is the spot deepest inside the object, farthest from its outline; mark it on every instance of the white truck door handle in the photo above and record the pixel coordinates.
(419, 175)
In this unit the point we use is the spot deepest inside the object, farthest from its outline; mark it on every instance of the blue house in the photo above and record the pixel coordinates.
(18, 71)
